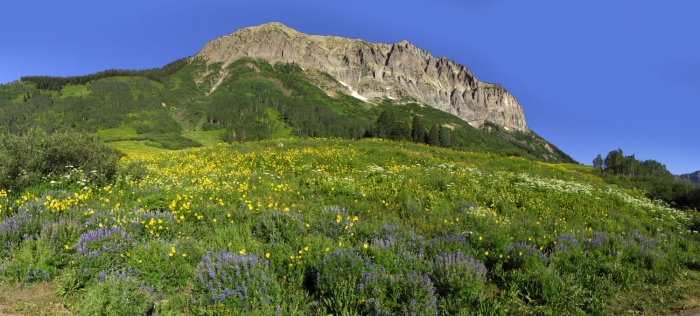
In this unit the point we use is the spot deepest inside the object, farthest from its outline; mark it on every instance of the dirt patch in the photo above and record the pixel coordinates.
(450, 126)
(690, 312)
(689, 307)
(39, 299)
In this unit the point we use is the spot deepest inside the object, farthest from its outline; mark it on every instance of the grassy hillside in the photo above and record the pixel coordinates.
(246, 100)
(330, 226)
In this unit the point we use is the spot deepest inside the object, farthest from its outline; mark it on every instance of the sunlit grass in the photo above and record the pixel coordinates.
(71, 90)
(328, 226)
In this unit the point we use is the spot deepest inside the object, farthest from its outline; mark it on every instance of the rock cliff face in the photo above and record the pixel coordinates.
(690, 177)
(370, 70)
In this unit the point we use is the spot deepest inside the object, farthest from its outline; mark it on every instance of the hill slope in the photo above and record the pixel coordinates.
(253, 100)
(342, 227)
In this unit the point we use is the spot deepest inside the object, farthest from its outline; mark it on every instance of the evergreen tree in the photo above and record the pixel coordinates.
(445, 136)
(385, 123)
(400, 131)
(418, 130)
(434, 135)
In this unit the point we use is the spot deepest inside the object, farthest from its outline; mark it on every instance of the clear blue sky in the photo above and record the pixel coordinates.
(592, 76)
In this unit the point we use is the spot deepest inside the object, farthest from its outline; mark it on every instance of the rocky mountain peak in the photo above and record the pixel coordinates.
(399, 71)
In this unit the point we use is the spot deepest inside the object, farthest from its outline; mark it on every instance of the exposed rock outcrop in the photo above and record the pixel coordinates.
(690, 177)
(370, 70)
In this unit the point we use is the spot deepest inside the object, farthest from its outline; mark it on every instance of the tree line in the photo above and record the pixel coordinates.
(388, 127)
(156, 74)
(650, 176)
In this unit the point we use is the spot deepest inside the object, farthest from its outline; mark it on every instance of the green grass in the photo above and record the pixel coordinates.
(207, 138)
(278, 127)
(135, 148)
(71, 90)
(117, 133)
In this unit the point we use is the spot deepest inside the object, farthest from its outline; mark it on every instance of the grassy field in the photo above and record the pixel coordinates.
(328, 226)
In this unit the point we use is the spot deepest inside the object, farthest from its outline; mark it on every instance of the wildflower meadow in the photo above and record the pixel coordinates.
(327, 226)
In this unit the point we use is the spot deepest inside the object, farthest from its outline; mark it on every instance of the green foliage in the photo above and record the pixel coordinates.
(117, 294)
(650, 176)
(56, 83)
(247, 100)
(529, 142)
(445, 137)
(418, 130)
(343, 227)
(236, 283)
(598, 161)
(164, 141)
(63, 156)
(30, 261)
(385, 124)
(434, 135)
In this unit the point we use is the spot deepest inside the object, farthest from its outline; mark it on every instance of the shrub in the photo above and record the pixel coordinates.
(116, 294)
(399, 294)
(333, 223)
(227, 282)
(458, 279)
(102, 249)
(277, 227)
(524, 256)
(37, 156)
(337, 280)
(17, 227)
(31, 261)
(132, 171)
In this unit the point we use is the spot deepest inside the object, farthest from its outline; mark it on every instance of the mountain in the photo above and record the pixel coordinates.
(270, 81)
(693, 177)
(370, 70)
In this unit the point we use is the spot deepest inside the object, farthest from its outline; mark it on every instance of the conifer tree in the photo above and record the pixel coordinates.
(418, 130)
(385, 123)
(434, 135)
(400, 131)
(445, 136)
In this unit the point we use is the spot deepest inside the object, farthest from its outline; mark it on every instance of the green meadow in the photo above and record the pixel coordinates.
(341, 227)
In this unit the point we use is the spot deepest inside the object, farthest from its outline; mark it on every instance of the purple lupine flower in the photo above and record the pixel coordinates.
(240, 280)
(520, 252)
(597, 240)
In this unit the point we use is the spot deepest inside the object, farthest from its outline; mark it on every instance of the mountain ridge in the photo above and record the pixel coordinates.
(243, 99)
(375, 70)
(693, 177)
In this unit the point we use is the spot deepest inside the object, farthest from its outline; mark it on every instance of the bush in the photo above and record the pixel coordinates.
(349, 282)
(399, 294)
(102, 249)
(117, 294)
(30, 261)
(277, 227)
(333, 222)
(337, 280)
(29, 159)
(458, 279)
(18, 227)
(232, 283)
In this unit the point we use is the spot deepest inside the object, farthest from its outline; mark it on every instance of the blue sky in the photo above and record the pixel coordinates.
(592, 76)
